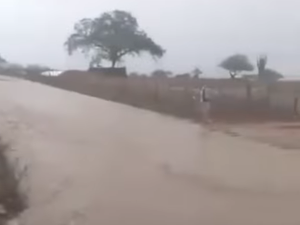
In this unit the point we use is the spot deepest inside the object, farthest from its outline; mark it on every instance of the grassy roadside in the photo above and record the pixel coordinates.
(12, 201)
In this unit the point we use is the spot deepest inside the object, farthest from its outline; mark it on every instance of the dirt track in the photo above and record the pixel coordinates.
(95, 162)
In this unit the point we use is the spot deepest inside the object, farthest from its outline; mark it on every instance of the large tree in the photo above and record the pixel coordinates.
(112, 36)
(265, 74)
(196, 72)
(236, 64)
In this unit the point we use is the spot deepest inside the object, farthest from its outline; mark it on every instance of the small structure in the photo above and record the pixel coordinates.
(115, 72)
(52, 73)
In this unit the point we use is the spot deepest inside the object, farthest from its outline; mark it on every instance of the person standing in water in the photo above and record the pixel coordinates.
(205, 95)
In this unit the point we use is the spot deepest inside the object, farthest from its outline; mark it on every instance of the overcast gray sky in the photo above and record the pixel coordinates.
(194, 32)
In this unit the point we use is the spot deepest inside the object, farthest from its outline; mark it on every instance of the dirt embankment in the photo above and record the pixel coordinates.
(172, 95)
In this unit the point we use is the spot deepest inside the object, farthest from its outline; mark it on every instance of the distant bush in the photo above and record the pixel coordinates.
(12, 69)
(35, 69)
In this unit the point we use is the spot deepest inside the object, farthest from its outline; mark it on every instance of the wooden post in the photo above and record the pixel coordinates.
(296, 101)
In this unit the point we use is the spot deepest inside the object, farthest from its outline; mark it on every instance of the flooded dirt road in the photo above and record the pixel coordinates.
(94, 162)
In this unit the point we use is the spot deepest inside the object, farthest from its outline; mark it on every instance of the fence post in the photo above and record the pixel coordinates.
(156, 90)
(249, 91)
(296, 101)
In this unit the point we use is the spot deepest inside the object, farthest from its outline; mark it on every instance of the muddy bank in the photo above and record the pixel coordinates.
(12, 199)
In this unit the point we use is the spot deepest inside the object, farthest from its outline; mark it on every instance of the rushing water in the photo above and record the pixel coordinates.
(95, 162)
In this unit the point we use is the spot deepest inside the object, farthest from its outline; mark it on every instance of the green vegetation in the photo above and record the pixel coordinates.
(264, 74)
(235, 64)
(110, 37)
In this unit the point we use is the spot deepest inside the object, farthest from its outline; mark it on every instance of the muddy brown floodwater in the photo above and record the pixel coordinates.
(96, 162)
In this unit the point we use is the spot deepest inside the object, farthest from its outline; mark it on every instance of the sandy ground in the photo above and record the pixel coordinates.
(95, 162)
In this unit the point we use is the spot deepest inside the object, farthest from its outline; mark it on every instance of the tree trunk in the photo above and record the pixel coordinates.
(113, 63)
(232, 74)
(249, 91)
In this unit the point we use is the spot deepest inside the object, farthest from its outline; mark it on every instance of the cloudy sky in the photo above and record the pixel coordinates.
(194, 32)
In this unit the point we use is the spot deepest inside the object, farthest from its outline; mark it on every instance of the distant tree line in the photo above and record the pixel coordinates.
(15, 69)
(236, 64)
(116, 34)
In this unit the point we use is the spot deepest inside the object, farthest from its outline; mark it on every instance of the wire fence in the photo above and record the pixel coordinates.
(236, 98)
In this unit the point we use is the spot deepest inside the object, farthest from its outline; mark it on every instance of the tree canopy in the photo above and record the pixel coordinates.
(265, 74)
(161, 73)
(236, 64)
(261, 64)
(112, 36)
(270, 75)
(196, 72)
